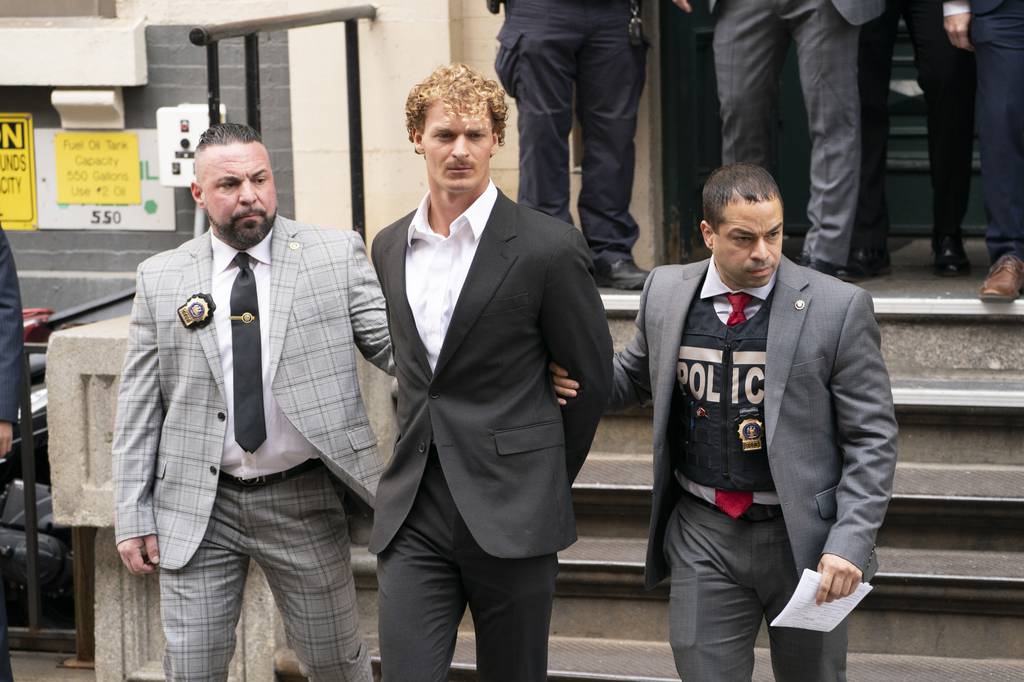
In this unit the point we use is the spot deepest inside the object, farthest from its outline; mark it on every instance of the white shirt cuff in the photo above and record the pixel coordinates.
(951, 7)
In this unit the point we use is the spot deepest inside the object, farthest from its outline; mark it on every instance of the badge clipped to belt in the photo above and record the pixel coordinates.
(750, 431)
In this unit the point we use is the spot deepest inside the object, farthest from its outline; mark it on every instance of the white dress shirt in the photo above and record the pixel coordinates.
(436, 267)
(284, 447)
(715, 288)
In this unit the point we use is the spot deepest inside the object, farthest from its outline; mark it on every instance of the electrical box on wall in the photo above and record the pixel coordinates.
(178, 131)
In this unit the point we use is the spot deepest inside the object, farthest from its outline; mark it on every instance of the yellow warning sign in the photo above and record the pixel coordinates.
(17, 173)
(98, 168)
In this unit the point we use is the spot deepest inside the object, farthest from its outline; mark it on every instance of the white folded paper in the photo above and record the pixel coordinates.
(802, 612)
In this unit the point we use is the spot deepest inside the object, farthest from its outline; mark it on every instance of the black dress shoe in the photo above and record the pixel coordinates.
(622, 274)
(821, 266)
(950, 259)
(865, 264)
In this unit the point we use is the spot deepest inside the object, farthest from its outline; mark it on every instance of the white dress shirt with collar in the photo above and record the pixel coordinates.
(436, 267)
(285, 447)
(715, 288)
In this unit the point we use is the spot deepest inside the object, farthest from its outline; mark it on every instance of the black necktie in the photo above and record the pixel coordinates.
(250, 429)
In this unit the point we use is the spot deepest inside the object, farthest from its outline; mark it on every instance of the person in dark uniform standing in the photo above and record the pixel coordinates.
(994, 31)
(548, 48)
(947, 77)
(10, 382)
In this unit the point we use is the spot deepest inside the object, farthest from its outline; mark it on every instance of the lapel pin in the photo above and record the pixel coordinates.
(294, 246)
(197, 311)
(800, 305)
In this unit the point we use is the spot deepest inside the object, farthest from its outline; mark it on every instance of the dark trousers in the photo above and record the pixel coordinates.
(547, 48)
(428, 574)
(947, 76)
(998, 38)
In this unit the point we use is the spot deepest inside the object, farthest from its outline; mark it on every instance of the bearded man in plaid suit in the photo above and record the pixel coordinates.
(240, 420)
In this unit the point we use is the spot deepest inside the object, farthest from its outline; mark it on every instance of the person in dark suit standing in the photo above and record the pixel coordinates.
(947, 77)
(994, 30)
(475, 502)
(10, 383)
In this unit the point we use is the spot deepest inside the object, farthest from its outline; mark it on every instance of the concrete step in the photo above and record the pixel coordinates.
(924, 602)
(595, 660)
(934, 505)
(965, 420)
(922, 336)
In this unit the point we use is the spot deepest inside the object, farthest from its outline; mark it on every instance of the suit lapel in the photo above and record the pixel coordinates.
(678, 293)
(200, 280)
(285, 259)
(394, 269)
(491, 263)
(784, 329)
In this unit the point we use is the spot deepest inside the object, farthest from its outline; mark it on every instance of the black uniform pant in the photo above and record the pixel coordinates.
(547, 47)
(998, 38)
(947, 76)
(427, 575)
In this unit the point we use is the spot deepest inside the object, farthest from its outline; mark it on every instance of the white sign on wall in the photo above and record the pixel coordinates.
(153, 212)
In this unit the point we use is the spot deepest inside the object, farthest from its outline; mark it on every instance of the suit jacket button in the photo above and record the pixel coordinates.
(221, 416)
(435, 395)
(422, 447)
(213, 470)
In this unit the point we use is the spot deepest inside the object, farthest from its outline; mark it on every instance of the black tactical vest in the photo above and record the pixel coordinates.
(717, 434)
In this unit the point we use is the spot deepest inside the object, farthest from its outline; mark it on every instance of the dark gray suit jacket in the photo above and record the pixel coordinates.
(10, 334)
(508, 452)
(829, 415)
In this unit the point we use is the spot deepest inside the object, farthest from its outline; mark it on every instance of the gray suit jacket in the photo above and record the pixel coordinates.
(857, 12)
(829, 416)
(325, 303)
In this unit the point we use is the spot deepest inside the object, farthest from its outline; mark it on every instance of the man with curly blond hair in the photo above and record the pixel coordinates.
(475, 502)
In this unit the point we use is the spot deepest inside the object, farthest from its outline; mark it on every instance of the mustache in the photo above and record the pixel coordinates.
(257, 213)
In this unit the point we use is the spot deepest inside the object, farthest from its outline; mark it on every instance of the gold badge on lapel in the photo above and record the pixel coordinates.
(197, 311)
(751, 434)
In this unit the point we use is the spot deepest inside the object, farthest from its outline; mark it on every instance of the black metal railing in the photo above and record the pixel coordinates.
(210, 36)
(35, 635)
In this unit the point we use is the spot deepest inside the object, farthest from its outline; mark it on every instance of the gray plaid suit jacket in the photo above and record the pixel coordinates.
(829, 414)
(857, 12)
(325, 303)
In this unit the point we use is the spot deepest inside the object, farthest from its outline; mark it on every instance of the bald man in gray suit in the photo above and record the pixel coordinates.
(751, 40)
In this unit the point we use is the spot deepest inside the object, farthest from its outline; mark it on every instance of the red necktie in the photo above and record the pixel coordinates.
(735, 502)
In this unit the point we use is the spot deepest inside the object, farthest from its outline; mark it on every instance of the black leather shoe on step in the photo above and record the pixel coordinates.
(622, 274)
(820, 265)
(865, 264)
(950, 259)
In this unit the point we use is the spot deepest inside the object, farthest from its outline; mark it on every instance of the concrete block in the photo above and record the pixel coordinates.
(83, 365)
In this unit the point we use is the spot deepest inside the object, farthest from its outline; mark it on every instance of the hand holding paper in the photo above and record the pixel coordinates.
(802, 612)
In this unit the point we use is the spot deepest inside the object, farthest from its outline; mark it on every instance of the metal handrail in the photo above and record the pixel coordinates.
(209, 36)
(205, 35)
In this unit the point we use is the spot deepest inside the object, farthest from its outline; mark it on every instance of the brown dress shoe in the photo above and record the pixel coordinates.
(1005, 279)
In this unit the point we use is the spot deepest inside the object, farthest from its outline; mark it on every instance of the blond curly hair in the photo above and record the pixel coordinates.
(464, 91)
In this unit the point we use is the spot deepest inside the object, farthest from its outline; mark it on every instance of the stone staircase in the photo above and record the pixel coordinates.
(948, 601)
